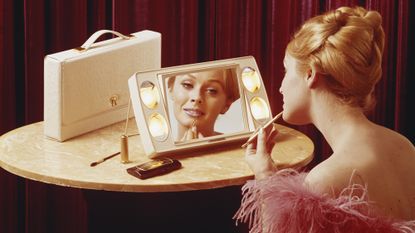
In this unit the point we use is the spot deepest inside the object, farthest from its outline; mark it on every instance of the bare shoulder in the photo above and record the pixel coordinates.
(393, 150)
(332, 176)
(389, 139)
(382, 152)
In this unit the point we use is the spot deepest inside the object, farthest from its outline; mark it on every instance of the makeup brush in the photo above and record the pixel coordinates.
(104, 159)
(255, 134)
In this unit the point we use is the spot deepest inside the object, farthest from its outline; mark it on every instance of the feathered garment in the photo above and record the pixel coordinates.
(283, 204)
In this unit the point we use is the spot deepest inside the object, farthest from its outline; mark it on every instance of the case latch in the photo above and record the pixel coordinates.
(113, 100)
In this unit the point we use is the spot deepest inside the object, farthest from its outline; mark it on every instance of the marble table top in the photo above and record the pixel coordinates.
(26, 152)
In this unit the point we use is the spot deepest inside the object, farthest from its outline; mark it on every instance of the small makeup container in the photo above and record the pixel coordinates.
(124, 149)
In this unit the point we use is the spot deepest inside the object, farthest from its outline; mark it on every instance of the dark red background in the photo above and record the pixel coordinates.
(192, 31)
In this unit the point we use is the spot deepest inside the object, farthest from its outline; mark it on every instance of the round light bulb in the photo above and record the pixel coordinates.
(149, 94)
(259, 109)
(158, 126)
(250, 79)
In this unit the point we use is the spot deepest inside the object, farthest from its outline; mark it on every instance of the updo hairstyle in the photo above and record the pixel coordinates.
(345, 46)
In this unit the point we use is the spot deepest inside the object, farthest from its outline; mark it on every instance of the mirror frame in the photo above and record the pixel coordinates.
(159, 146)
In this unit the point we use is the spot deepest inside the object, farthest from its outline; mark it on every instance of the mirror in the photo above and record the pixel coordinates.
(204, 104)
(198, 105)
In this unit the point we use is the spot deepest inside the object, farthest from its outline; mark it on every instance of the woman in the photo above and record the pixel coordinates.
(199, 98)
(367, 185)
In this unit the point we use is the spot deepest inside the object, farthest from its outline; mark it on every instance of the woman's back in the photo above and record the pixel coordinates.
(379, 158)
(392, 174)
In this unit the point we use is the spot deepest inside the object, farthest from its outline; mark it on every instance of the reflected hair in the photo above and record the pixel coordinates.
(345, 46)
(231, 84)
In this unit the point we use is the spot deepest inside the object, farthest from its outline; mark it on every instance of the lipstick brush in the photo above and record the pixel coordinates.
(255, 134)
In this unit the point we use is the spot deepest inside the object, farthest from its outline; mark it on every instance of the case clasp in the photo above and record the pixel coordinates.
(113, 100)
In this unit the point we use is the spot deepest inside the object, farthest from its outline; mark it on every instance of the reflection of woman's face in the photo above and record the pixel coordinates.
(199, 96)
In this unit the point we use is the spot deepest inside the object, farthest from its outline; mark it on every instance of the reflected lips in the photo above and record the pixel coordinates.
(193, 112)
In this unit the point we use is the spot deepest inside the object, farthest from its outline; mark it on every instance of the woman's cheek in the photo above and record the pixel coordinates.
(217, 104)
(180, 98)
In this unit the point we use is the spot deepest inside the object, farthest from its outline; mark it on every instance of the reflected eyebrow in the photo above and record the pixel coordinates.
(214, 81)
(218, 82)
(187, 75)
(191, 76)
(210, 80)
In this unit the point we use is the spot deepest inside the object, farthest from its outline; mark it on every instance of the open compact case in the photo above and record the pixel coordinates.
(189, 107)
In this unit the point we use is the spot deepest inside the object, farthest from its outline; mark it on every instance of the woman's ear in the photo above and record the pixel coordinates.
(312, 78)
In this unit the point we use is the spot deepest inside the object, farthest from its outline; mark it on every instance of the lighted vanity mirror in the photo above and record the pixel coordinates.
(187, 108)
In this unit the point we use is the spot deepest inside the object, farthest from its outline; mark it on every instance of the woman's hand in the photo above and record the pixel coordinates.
(258, 154)
(191, 133)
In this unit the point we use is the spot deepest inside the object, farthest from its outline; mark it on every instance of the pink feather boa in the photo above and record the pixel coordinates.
(282, 204)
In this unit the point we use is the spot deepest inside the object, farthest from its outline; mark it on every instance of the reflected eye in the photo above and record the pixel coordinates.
(212, 91)
(187, 85)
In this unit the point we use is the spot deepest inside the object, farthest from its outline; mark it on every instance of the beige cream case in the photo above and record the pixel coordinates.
(86, 88)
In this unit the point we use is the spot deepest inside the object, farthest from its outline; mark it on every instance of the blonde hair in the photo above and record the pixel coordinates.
(345, 46)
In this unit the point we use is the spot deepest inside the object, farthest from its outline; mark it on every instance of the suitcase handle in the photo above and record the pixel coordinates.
(88, 43)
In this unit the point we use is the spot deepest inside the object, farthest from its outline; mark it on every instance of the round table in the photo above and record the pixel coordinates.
(26, 152)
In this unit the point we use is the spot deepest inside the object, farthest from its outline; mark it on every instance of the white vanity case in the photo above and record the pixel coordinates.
(86, 88)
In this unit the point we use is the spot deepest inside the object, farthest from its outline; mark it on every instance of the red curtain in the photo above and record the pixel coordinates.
(192, 31)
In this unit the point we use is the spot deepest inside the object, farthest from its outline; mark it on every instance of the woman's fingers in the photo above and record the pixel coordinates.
(189, 134)
(250, 150)
(271, 140)
(258, 154)
(261, 142)
(265, 141)
(269, 129)
(192, 133)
